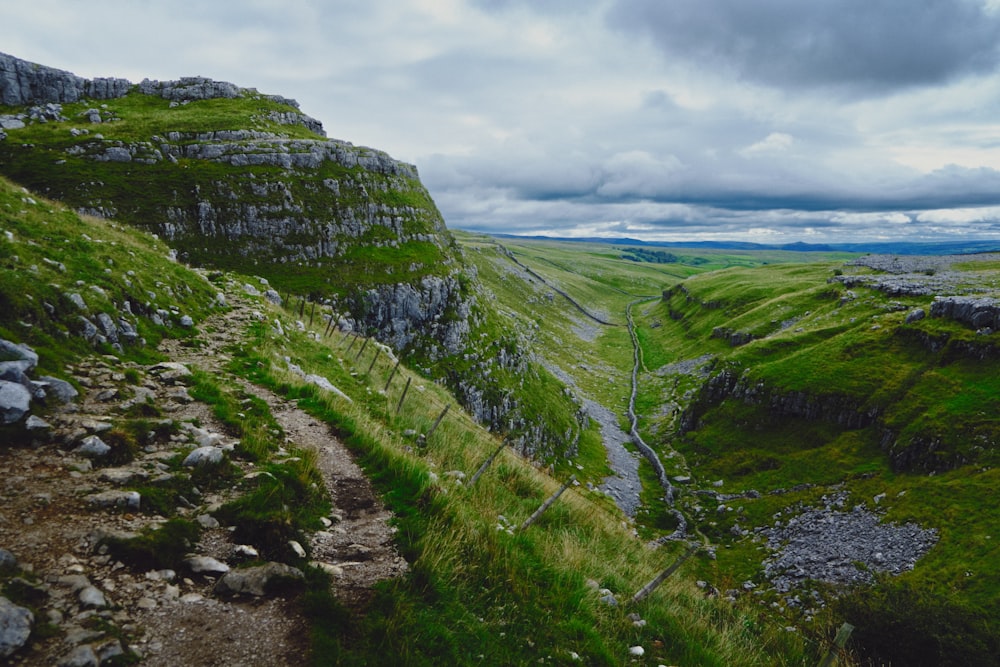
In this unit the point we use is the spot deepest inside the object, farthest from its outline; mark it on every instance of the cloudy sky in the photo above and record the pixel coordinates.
(764, 120)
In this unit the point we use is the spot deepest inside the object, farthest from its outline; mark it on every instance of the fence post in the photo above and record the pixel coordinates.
(312, 311)
(363, 346)
(440, 417)
(378, 351)
(399, 406)
(354, 339)
(302, 306)
(486, 464)
(548, 503)
(843, 634)
(662, 576)
(392, 374)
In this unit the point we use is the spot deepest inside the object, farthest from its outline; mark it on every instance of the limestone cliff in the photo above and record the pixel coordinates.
(240, 180)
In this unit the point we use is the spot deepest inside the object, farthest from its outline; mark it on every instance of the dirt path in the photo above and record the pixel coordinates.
(49, 523)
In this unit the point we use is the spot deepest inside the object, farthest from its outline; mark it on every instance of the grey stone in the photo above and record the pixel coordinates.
(171, 371)
(206, 565)
(915, 315)
(88, 329)
(15, 401)
(130, 500)
(272, 296)
(61, 390)
(256, 580)
(107, 327)
(123, 476)
(204, 456)
(81, 656)
(93, 447)
(109, 650)
(36, 424)
(17, 352)
(77, 300)
(91, 596)
(14, 371)
(186, 321)
(7, 559)
(15, 627)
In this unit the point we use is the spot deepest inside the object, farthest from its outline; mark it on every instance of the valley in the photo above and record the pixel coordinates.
(192, 269)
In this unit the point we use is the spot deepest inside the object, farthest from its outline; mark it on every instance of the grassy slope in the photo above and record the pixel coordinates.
(863, 350)
(811, 342)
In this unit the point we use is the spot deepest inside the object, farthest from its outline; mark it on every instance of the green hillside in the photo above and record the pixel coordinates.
(772, 387)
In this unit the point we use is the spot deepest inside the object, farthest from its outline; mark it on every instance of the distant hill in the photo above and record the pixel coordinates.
(887, 248)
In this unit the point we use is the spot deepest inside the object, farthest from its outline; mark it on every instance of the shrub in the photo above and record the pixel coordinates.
(897, 623)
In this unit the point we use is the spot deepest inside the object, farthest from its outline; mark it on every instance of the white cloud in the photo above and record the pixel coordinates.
(776, 142)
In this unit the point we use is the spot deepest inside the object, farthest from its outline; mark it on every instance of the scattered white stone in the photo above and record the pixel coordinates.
(91, 596)
(297, 548)
(246, 551)
(206, 565)
(637, 651)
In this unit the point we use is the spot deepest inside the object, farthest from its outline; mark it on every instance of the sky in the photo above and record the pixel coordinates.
(770, 121)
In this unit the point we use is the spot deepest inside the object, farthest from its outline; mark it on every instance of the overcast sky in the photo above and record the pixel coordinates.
(756, 120)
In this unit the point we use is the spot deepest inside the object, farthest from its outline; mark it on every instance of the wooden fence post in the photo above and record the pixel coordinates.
(392, 374)
(440, 417)
(662, 576)
(486, 464)
(378, 351)
(354, 339)
(548, 503)
(843, 634)
(312, 311)
(363, 346)
(399, 406)
(302, 306)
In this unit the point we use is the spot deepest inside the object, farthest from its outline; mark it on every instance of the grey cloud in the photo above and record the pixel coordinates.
(858, 46)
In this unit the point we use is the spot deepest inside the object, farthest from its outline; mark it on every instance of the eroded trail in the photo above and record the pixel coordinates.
(360, 542)
(59, 506)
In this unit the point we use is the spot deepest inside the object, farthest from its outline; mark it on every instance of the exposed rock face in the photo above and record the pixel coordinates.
(22, 82)
(977, 312)
(399, 313)
(835, 408)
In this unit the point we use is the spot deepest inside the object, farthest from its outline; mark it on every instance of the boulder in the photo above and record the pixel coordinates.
(14, 352)
(204, 456)
(15, 627)
(61, 390)
(15, 401)
(256, 581)
(93, 447)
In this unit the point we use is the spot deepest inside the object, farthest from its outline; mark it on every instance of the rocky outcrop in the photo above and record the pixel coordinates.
(23, 83)
(398, 314)
(976, 312)
(842, 410)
